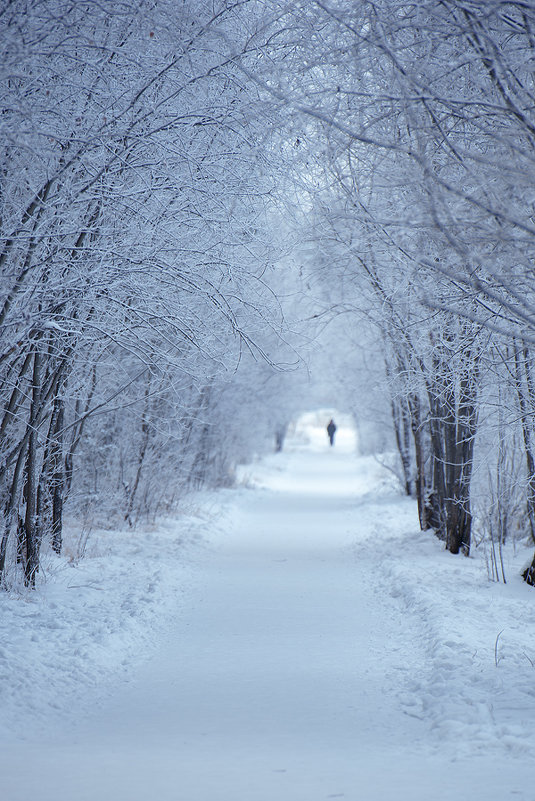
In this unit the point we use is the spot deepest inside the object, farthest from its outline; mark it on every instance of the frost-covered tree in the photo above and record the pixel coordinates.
(422, 113)
(133, 220)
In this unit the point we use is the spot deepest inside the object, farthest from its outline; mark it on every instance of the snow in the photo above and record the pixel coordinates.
(91, 620)
(296, 639)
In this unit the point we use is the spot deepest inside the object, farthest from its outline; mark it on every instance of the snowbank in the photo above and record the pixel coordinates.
(474, 677)
(91, 622)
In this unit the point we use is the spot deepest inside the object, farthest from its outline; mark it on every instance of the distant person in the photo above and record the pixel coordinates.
(331, 428)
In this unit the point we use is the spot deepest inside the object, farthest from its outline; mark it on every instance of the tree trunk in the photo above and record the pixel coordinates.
(526, 401)
(29, 539)
(421, 481)
(9, 513)
(453, 425)
(57, 476)
(402, 430)
(145, 434)
(280, 436)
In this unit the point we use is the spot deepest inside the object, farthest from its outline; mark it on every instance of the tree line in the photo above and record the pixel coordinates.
(136, 264)
(418, 125)
(148, 151)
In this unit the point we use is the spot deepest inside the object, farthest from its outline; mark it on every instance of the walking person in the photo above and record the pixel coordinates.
(331, 428)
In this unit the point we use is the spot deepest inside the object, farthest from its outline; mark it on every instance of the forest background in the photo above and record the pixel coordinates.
(199, 199)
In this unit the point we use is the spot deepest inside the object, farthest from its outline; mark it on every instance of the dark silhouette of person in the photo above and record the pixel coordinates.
(331, 428)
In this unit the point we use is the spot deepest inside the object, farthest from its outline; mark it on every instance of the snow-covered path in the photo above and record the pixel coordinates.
(283, 678)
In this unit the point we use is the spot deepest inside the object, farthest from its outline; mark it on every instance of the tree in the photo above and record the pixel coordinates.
(134, 245)
(401, 161)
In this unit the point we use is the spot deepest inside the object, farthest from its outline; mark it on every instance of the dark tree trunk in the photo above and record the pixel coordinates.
(459, 526)
(57, 476)
(529, 573)
(9, 510)
(421, 482)
(28, 527)
(280, 436)
(435, 501)
(402, 430)
(526, 401)
(145, 434)
(401, 419)
(453, 424)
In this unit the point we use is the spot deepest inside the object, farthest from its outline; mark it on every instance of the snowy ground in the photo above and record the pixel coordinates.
(296, 640)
